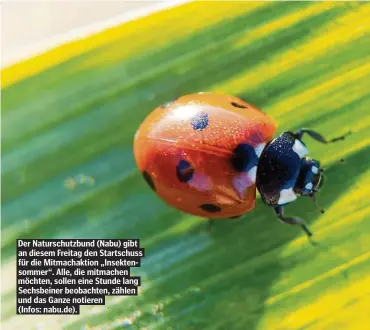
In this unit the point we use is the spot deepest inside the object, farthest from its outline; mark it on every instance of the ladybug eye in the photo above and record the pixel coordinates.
(237, 105)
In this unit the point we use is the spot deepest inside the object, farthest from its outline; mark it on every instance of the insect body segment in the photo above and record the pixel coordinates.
(284, 173)
(206, 153)
(201, 152)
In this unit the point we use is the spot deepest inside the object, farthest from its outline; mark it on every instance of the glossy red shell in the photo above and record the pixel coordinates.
(186, 152)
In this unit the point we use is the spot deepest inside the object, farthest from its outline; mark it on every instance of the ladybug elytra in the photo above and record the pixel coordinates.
(205, 154)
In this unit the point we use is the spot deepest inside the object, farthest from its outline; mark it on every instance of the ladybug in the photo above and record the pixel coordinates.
(205, 154)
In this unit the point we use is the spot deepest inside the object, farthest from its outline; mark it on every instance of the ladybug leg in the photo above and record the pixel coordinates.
(292, 220)
(318, 137)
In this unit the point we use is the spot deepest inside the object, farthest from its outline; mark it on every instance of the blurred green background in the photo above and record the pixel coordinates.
(68, 121)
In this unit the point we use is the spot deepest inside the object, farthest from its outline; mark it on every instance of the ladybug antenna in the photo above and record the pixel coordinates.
(313, 197)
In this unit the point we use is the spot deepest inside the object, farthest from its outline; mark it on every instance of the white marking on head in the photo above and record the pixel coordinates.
(287, 196)
(299, 148)
(243, 181)
(258, 150)
(314, 169)
(309, 186)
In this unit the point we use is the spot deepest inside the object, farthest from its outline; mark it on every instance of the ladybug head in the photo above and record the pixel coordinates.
(284, 173)
(310, 179)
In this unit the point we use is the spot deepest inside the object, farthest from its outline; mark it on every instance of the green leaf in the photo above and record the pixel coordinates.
(69, 117)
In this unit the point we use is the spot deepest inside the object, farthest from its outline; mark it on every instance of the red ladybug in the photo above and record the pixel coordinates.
(206, 153)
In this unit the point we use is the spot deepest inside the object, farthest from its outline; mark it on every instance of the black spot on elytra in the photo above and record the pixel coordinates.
(199, 121)
(244, 158)
(237, 105)
(210, 208)
(184, 171)
(149, 180)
